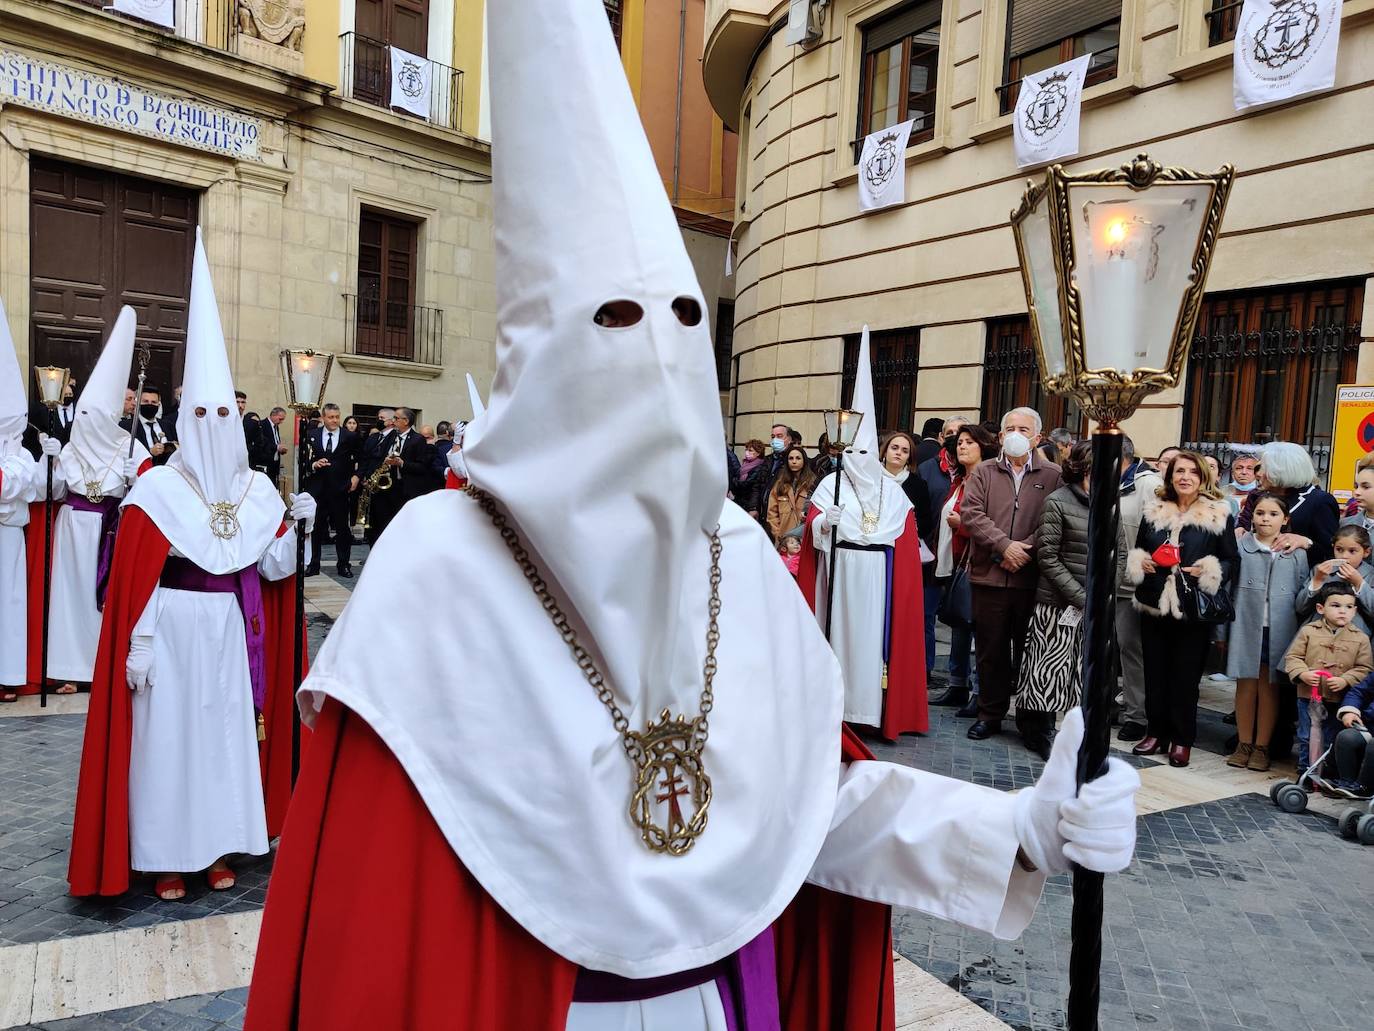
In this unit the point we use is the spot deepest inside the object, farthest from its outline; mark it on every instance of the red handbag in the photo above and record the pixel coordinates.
(1166, 556)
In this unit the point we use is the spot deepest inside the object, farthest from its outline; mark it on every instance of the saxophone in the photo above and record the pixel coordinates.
(379, 479)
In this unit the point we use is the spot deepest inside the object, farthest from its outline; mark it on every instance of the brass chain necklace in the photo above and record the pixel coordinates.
(869, 523)
(224, 517)
(95, 485)
(665, 753)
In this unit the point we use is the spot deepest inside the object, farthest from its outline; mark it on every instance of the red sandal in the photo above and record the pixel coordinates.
(170, 887)
(220, 877)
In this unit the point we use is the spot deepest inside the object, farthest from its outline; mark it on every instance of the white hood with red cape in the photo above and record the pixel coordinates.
(506, 742)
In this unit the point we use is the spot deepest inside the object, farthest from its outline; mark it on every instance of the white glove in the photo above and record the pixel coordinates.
(1095, 829)
(456, 463)
(52, 447)
(138, 670)
(303, 507)
(831, 517)
(131, 469)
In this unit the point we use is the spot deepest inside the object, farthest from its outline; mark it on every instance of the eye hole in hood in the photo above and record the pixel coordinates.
(618, 314)
(688, 311)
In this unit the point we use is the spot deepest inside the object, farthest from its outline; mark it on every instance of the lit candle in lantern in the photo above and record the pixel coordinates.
(1117, 276)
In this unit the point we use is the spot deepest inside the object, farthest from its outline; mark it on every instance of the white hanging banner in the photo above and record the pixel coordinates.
(412, 78)
(1284, 48)
(159, 12)
(798, 14)
(882, 167)
(730, 256)
(1045, 126)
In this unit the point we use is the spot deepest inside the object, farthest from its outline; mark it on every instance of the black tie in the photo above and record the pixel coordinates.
(329, 444)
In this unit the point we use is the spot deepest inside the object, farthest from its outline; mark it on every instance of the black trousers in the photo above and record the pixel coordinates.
(332, 513)
(1001, 621)
(1175, 653)
(1355, 757)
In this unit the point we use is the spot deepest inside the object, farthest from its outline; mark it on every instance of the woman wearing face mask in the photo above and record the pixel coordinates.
(788, 498)
(1185, 530)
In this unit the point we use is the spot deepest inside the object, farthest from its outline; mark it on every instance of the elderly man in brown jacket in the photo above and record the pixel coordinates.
(1000, 513)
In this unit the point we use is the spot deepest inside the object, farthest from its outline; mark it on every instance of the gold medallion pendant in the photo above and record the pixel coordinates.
(224, 520)
(95, 492)
(670, 776)
(869, 524)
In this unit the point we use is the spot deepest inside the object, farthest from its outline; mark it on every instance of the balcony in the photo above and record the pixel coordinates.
(734, 30)
(392, 331)
(367, 78)
(211, 23)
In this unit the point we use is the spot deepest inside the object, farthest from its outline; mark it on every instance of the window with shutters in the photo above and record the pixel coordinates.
(895, 357)
(1011, 378)
(1223, 18)
(725, 342)
(386, 309)
(901, 57)
(1044, 33)
(1265, 365)
(613, 12)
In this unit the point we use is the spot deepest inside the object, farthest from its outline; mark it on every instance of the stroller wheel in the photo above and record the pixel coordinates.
(1365, 829)
(1274, 790)
(1292, 799)
(1347, 822)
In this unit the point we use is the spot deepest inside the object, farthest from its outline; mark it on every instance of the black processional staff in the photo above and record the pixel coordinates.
(1114, 263)
(306, 374)
(841, 427)
(52, 384)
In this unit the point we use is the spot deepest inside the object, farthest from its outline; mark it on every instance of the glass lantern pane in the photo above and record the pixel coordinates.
(1133, 254)
(306, 372)
(1039, 249)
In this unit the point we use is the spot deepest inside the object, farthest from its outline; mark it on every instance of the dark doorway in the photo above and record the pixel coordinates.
(100, 240)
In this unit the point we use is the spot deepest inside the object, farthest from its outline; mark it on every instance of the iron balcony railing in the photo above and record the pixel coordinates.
(367, 77)
(212, 23)
(1101, 68)
(1222, 20)
(388, 329)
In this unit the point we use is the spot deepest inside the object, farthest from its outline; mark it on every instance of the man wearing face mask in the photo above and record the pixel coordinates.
(1002, 506)
(151, 428)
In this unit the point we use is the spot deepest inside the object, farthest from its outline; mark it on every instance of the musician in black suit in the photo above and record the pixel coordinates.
(333, 477)
(151, 429)
(411, 460)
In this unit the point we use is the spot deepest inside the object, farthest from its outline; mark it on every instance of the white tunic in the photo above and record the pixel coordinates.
(195, 788)
(18, 473)
(74, 620)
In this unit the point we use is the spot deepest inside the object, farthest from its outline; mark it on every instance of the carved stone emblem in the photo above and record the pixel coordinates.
(274, 21)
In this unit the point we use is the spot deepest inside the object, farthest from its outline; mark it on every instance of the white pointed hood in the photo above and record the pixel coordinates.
(13, 405)
(628, 418)
(603, 445)
(864, 488)
(210, 464)
(474, 399)
(98, 447)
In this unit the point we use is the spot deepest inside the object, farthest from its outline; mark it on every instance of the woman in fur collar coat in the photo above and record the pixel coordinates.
(1189, 513)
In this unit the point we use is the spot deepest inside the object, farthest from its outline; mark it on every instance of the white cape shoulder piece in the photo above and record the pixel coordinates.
(523, 772)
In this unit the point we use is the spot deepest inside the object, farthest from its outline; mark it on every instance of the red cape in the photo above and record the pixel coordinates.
(373, 921)
(904, 706)
(100, 834)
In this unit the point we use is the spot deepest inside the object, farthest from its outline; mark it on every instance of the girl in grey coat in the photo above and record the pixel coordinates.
(1265, 590)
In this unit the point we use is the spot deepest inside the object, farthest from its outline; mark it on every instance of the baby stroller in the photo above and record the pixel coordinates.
(1291, 796)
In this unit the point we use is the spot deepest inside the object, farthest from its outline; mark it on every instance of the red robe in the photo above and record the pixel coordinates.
(904, 703)
(373, 921)
(100, 834)
(33, 548)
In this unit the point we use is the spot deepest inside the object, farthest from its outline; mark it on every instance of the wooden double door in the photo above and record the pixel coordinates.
(100, 240)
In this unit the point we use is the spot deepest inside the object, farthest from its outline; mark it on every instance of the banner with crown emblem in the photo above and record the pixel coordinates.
(1045, 125)
(1284, 48)
(159, 12)
(882, 167)
(411, 80)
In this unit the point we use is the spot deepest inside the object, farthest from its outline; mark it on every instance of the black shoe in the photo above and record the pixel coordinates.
(1131, 732)
(1040, 744)
(346, 572)
(984, 729)
(313, 571)
(951, 696)
(969, 709)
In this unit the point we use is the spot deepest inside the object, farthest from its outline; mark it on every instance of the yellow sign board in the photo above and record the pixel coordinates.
(1352, 437)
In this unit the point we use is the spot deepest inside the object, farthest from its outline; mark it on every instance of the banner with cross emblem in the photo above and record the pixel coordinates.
(1284, 48)
(882, 167)
(159, 12)
(1045, 125)
(411, 80)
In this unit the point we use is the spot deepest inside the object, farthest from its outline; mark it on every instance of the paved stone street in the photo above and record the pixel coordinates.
(1235, 915)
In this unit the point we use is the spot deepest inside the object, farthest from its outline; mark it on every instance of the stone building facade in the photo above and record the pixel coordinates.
(1290, 308)
(331, 218)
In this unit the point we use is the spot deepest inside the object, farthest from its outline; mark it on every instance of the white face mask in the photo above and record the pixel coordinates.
(1015, 445)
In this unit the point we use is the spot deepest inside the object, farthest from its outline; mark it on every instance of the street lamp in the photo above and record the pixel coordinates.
(841, 430)
(306, 375)
(52, 384)
(1114, 264)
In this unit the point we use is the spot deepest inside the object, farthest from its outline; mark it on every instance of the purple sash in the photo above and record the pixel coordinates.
(747, 983)
(182, 574)
(108, 508)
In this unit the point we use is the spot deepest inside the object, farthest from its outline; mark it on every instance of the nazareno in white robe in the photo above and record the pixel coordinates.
(18, 487)
(195, 788)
